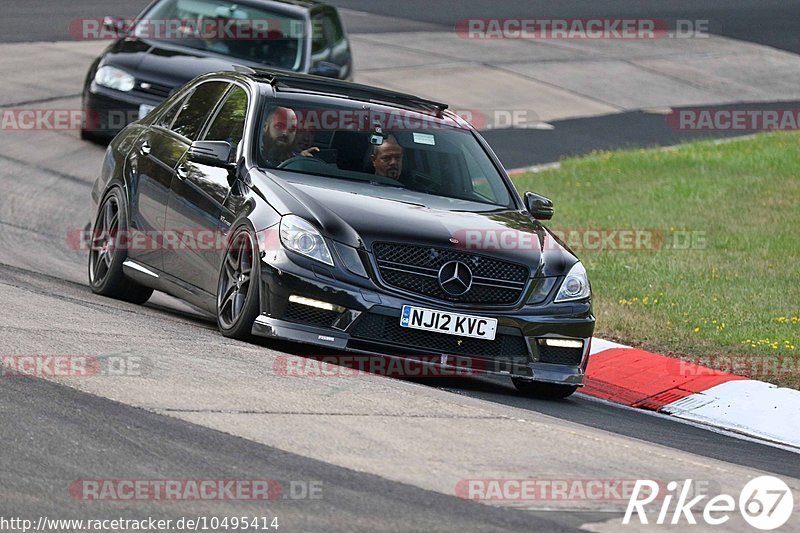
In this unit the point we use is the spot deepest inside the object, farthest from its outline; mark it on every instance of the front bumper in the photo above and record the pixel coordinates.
(108, 111)
(364, 318)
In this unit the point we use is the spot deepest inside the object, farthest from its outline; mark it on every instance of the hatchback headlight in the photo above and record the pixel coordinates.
(298, 235)
(114, 78)
(575, 286)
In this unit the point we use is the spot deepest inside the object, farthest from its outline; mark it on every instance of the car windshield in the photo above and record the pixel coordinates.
(388, 153)
(226, 28)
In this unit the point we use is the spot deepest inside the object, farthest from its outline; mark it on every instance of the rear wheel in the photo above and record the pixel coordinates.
(106, 257)
(237, 289)
(536, 389)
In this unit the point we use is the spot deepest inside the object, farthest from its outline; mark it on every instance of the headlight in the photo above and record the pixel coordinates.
(575, 286)
(300, 236)
(114, 78)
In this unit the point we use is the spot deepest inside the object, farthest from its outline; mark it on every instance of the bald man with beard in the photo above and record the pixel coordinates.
(278, 139)
(387, 158)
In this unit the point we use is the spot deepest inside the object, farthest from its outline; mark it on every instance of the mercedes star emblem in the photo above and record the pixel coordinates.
(455, 278)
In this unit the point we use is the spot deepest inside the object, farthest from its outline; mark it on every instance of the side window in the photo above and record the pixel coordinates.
(195, 109)
(228, 125)
(166, 119)
(478, 177)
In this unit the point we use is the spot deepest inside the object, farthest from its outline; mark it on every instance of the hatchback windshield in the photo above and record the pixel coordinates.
(226, 28)
(407, 151)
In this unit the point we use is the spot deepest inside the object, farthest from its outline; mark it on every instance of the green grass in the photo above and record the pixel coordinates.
(736, 292)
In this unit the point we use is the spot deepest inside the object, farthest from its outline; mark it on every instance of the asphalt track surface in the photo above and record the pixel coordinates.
(771, 22)
(64, 435)
(53, 434)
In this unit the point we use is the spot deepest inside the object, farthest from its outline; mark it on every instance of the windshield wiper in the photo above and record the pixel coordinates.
(498, 210)
(386, 184)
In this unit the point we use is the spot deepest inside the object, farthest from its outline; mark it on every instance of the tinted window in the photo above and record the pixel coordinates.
(166, 119)
(228, 28)
(421, 156)
(196, 108)
(228, 125)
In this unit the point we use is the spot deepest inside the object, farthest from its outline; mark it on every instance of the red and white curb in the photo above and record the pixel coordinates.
(637, 378)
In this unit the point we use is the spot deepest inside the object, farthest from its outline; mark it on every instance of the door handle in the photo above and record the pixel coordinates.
(182, 171)
(145, 148)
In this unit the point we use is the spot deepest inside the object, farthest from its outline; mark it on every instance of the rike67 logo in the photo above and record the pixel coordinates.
(765, 503)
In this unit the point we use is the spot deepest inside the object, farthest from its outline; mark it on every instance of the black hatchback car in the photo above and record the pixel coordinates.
(173, 41)
(344, 216)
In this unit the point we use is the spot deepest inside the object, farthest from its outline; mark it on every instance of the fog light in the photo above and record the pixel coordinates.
(561, 343)
(302, 300)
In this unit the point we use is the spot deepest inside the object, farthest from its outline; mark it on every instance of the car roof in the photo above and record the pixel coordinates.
(298, 7)
(291, 83)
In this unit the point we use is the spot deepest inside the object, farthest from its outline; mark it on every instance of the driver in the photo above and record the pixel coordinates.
(387, 158)
(278, 137)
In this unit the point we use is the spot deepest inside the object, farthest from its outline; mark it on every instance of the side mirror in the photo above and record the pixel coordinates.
(118, 26)
(538, 206)
(211, 153)
(326, 69)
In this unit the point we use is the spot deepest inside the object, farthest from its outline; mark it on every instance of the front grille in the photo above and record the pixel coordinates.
(560, 356)
(416, 269)
(162, 91)
(306, 314)
(387, 329)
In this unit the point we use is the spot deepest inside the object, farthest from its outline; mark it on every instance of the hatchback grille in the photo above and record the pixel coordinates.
(387, 329)
(416, 269)
(162, 91)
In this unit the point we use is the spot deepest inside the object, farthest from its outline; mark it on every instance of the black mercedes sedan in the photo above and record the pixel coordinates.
(344, 216)
(173, 41)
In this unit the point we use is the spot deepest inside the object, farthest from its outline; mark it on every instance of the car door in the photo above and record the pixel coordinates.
(151, 162)
(200, 206)
(159, 150)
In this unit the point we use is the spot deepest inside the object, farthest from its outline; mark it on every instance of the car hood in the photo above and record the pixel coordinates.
(165, 65)
(360, 220)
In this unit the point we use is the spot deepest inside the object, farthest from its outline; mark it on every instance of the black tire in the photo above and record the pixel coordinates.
(237, 288)
(91, 128)
(105, 261)
(536, 389)
(87, 134)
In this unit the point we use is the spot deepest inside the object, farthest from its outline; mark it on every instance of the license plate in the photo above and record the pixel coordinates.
(449, 323)
(144, 109)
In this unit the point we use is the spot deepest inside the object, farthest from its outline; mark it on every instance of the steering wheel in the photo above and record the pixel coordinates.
(293, 163)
